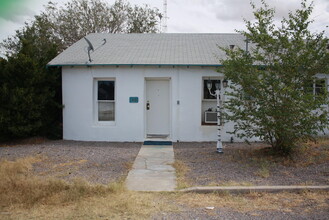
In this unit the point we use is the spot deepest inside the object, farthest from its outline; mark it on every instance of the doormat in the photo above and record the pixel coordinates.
(157, 143)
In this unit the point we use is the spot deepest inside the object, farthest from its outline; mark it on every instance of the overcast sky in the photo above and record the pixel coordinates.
(185, 16)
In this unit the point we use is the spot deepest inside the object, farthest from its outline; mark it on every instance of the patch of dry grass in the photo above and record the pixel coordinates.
(263, 172)
(307, 154)
(61, 168)
(120, 205)
(18, 185)
(312, 152)
(181, 170)
(128, 165)
(285, 202)
(319, 142)
(26, 141)
(24, 195)
(264, 168)
(71, 163)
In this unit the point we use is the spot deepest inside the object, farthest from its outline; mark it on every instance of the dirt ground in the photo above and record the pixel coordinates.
(199, 164)
(243, 164)
(97, 162)
(251, 206)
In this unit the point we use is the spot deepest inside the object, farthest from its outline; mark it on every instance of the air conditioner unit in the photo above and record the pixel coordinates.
(210, 117)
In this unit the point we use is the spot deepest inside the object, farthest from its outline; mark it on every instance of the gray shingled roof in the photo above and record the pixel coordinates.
(149, 49)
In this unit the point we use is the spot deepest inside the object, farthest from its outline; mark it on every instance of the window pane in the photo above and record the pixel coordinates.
(320, 87)
(106, 111)
(247, 97)
(105, 90)
(206, 94)
(310, 88)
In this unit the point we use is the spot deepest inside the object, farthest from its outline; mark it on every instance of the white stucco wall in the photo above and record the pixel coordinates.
(79, 114)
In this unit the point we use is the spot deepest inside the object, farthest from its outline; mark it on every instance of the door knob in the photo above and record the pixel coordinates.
(148, 105)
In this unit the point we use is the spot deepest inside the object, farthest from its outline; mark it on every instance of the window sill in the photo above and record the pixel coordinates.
(209, 100)
(104, 123)
(208, 124)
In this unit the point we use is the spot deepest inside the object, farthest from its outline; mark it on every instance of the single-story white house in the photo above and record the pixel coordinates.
(137, 87)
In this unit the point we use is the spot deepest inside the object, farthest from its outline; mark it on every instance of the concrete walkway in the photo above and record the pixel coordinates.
(153, 170)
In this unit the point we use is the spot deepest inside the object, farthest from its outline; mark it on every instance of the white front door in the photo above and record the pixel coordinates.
(157, 108)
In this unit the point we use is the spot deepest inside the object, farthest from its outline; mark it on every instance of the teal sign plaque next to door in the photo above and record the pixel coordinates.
(133, 99)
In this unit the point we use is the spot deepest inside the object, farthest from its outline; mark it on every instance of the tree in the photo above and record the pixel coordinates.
(272, 84)
(142, 20)
(27, 88)
(30, 94)
(80, 17)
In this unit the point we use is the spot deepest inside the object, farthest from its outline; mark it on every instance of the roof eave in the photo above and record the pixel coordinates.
(90, 64)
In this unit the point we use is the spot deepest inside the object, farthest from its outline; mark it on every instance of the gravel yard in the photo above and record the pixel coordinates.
(97, 162)
(243, 164)
(218, 213)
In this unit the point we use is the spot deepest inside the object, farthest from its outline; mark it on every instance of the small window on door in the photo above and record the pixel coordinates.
(106, 100)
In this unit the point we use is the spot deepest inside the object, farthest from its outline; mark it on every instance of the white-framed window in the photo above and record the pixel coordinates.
(105, 100)
(208, 102)
(319, 87)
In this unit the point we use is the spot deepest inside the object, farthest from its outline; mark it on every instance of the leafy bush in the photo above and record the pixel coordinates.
(273, 95)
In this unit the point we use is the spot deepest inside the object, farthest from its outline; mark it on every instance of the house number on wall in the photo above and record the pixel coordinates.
(133, 99)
